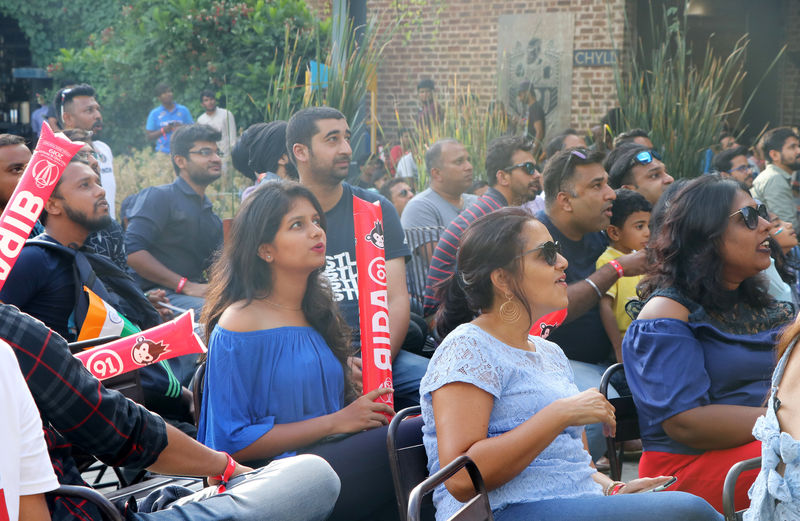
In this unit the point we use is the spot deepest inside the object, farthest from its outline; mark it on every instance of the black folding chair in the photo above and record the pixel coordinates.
(476, 509)
(627, 423)
(729, 488)
(107, 508)
(409, 464)
(417, 268)
(198, 384)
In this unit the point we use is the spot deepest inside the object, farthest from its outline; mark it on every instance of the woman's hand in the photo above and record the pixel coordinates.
(588, 407)
(364, 413)
(643, 484)
(354, 363)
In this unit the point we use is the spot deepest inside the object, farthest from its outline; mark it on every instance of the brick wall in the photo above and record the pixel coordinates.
(458, 39)
(790, 69)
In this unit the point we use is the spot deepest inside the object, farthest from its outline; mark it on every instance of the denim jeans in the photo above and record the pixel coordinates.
(300, 488)
(646, 506)
(587, 376)
(407, 372)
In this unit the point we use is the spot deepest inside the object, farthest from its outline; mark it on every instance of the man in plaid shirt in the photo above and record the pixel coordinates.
(77, 411)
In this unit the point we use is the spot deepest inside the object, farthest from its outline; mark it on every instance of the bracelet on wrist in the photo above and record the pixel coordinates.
(617, 266)
(223, 478)
(613, 488)
(181, 284)
(594, 286)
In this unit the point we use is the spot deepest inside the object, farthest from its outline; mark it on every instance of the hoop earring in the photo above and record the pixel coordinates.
(509, 311)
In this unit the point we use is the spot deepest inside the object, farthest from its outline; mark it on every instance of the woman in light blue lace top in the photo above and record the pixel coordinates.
(508, 400)
(775, 495)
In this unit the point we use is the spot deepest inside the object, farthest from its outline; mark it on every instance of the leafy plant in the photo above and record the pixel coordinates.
(465, 118)
(683, 106)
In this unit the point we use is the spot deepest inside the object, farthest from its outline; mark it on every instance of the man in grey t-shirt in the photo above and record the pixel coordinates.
(450, 173)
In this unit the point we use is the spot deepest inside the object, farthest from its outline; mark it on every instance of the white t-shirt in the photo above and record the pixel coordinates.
(25, 466)
(407, 167)
(106, 163)
(223, 121)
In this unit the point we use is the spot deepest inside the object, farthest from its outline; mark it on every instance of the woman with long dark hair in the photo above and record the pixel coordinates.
(508, 399)
(277, 380)
(699, 356)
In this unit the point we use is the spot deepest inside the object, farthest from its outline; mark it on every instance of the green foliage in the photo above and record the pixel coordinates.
(233, 47)
(466, 119)
(51, 25)
(683, 106)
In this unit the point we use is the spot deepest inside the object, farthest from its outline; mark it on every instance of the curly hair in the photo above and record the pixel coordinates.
(685, 254)
(240, 274)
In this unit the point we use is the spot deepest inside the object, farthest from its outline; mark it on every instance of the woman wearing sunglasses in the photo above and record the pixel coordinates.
(699, 357)
(508, 399)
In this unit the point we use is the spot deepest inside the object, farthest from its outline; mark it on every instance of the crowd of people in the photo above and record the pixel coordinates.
(690, 283)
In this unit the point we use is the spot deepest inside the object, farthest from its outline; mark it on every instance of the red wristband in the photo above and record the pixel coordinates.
(617, 266)
(163, 132)
(181, 284)
(226, 474)
(615, 490)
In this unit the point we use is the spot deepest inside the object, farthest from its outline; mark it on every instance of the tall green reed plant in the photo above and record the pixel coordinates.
(684, 106)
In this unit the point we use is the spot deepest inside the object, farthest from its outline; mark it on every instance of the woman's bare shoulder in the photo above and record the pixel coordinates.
(242, 317)
(663, 307)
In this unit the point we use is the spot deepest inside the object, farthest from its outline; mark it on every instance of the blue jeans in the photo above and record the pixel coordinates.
(301, 488)
(587, 376)
(646, 506)
(407, 372)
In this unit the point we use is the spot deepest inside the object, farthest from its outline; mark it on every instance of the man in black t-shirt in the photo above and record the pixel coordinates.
(577, 207)
(319, 141)
(535, 127)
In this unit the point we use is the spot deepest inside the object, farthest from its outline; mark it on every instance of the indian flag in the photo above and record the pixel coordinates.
(103, 320)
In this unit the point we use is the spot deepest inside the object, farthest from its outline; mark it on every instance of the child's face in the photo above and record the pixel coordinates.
(633, 235)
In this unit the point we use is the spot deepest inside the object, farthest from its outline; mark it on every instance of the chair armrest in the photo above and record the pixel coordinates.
(427, 486)
(89, 494)
(728, 508)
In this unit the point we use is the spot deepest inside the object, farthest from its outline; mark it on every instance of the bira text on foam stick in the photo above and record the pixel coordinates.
(165, 341)
(373, 305)
(48, 162)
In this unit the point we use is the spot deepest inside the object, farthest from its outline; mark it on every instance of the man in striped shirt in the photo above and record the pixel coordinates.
(513, 180)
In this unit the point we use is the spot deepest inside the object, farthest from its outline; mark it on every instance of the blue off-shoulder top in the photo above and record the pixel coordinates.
(257, 379)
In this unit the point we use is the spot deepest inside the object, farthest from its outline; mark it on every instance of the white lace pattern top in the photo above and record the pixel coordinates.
(522, 383)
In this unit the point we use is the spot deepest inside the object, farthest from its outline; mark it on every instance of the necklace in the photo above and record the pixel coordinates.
(275, 304)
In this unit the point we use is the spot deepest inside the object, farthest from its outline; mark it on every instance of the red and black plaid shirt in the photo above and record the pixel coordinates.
(77, 411)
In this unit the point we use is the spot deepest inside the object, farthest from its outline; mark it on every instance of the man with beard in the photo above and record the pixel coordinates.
(173, 231)
(514, 181)
(318, 139)
(773, 186)
(77, 108)
(14, 157)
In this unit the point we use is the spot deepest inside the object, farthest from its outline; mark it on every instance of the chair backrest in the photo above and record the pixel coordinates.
(198, 384)
(729, 488)
(408, 462)
(417, 269)
(476, 509)
(627, 421)
(107, 508)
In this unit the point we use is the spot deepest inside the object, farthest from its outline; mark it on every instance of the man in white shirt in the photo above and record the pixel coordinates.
(220, 119)
(25, 469)
(77, 107)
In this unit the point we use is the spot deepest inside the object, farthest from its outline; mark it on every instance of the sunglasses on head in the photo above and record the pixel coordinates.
(750, 215)
(580, 153)
(550, 251)
(528, 166)
(645, 157)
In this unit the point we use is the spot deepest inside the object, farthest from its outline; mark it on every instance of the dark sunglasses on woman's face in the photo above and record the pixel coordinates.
(528, 166)
(405, 192)
(550, 251)
(750, 215)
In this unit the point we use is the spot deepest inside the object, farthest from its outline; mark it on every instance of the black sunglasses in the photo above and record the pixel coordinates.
(528, 166)
(750, 215)
(550, 251)
(404, 192)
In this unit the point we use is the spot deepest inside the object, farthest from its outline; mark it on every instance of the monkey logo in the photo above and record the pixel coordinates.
(146, 352)
(375, 236)
(547, 329)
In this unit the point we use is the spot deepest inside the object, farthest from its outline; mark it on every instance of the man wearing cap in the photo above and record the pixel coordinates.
(637, 168)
